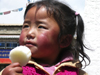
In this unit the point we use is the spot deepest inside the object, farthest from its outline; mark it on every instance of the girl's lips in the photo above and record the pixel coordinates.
(30, 43)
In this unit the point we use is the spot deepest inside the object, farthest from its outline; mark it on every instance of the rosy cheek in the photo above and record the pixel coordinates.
(42, 39)
(21, 39)
(47, 38)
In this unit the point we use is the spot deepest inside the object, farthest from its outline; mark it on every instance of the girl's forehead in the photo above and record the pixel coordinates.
(38, 13)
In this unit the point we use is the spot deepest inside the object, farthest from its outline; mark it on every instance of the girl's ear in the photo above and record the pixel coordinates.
(65, 41)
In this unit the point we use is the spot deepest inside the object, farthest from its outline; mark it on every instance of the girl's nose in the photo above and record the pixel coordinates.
(31, 34)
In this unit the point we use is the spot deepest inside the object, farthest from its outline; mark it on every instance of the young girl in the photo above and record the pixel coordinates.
(54, 34)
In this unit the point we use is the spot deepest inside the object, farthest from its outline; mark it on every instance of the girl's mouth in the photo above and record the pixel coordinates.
(30, 44)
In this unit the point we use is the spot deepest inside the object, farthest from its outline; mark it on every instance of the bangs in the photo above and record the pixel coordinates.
(38, 5)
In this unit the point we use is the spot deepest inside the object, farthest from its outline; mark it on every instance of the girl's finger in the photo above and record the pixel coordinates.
(18, 69)
(19, 74)
(15, 64)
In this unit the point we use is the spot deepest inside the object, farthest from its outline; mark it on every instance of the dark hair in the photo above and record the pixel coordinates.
(66, 20)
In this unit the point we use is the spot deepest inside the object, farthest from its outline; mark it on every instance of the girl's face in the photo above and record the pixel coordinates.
(40, 33)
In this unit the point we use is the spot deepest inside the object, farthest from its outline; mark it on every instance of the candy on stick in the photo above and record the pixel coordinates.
(20, 54)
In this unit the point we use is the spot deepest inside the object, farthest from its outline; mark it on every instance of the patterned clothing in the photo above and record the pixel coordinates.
(61, 68)
(30, 69)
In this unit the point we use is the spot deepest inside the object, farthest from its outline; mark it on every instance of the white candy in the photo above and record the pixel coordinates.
(21, 54)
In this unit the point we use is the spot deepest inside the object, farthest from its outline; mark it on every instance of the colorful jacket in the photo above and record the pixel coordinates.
(66, 68)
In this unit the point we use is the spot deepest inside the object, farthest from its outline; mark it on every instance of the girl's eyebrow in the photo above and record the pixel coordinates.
(26, 21)
(40, 21)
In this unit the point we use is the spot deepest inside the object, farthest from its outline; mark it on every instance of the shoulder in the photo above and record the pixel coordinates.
(73, 66)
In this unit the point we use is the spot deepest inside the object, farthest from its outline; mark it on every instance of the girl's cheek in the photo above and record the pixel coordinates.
(21, 39)
(47, 38)
(43, 40)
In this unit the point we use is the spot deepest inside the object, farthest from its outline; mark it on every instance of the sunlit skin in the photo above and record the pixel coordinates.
(40, 34)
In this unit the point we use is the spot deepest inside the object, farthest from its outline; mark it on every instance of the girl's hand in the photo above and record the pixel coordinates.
(13, 69)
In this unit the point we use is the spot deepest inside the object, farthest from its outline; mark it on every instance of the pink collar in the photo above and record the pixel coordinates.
(66, 57)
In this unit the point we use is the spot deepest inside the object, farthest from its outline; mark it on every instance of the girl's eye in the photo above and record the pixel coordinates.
(25, 26)
(42, 27)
